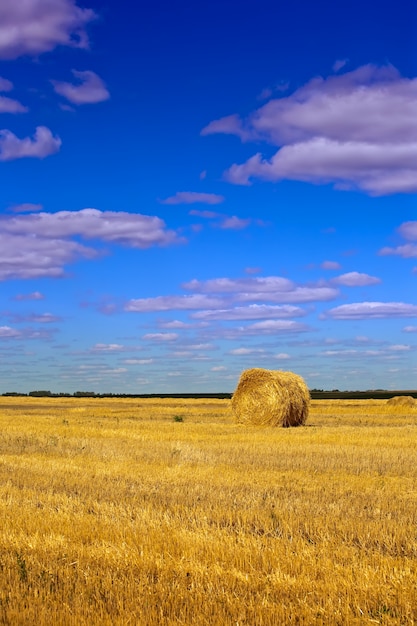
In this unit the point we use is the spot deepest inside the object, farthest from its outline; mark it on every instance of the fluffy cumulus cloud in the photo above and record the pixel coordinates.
(226, 299)
(107, 347)
(5, 84)
(408, 231)
(372, 310)
(407, 251)
(339, 130)
(30, 27)
(41, 244)
(8, 105)
(251, 312)
(172, 303)
(269, 327)
(193, 197)
(6, 332)
(161, 337)
(41, 145)
(31, 257)
(356, 279)
(130, 229)
(242, 299)
(270, 289)
(89, 89)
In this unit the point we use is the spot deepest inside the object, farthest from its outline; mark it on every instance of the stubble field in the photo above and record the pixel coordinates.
(145, 512)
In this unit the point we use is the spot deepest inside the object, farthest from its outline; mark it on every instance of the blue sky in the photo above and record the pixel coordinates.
(190, 189)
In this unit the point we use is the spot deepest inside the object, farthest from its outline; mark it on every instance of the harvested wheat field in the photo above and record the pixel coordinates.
(146, 512)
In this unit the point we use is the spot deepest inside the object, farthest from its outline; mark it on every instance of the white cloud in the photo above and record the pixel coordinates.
(107, 347)
(200, 346)
(39, 245)
(130, 229)
(192, 197)
(408, 230)
(210, 215)
(24, 256)
(7, 332)
(376, 169)
(42, 318)
(5, 84)
(161, 336)
(40, 146)
(8, 105)
(138, 361)
(174, 324)
(35, 295)
(330, 265)
(410, 329)
(25, 207)
(89, 90)
(265, 94)
(337, 65)
(356, 279)
(372, 310)
(269, 289)
(339, 130)
(224, 222)
(168, 303)
(234, 223)
(282, 356)
(30, 27)
(229, 125)
(218, 368)
(251, 312)
(246, 351)
(272, 327)
(113, 371)
(388, 354)
(407, 251)
(342, 353)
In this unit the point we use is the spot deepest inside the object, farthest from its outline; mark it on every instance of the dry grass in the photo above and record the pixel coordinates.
(271, 398)
(112, 513)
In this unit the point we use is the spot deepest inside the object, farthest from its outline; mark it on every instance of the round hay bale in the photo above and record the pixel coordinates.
(271, 398)
(402, 401)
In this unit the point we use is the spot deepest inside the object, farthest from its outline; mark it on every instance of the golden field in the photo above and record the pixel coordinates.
(116, 512)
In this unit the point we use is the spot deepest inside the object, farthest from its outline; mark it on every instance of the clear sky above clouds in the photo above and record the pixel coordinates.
(189, 189)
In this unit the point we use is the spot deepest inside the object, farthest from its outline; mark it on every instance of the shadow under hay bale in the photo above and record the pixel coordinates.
(271, 398)
(402, 401)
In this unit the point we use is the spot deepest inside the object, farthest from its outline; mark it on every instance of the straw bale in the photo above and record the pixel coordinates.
(402, 401)
(271, 398)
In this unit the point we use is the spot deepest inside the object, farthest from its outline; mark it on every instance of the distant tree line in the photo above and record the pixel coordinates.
(316, 394)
